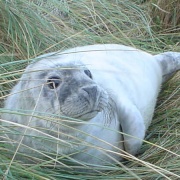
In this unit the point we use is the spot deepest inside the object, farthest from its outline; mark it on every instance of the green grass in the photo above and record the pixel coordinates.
(31, 28)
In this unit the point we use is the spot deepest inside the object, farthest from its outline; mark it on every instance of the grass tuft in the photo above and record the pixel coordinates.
(32, 27)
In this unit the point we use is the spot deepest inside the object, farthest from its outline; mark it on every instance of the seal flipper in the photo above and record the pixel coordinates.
(133, 128)
(169, 62)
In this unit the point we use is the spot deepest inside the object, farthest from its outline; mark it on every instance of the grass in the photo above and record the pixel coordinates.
(31, 28)
(167, 16)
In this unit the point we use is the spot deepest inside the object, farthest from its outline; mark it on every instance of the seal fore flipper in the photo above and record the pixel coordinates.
(132, 125)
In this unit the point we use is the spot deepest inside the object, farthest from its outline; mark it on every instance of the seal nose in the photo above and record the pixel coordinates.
(97, 97)
(91, 91)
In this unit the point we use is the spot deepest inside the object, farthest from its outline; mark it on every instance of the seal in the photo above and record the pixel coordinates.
(90, 104)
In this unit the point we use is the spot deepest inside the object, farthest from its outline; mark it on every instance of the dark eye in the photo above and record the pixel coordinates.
(88, 73)
(53, 82)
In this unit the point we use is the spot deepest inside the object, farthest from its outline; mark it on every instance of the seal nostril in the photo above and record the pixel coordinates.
(91, 90)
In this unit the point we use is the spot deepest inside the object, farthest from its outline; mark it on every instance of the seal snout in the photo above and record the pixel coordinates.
(91, 92)
(95, 96)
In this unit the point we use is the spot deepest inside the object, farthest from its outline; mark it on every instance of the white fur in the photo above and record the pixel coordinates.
(132, 77)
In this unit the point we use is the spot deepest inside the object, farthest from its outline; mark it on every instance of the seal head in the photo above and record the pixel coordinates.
(71, 90)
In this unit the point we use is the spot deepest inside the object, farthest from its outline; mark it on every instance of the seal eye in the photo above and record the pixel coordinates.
(88, 73)
(53, 82)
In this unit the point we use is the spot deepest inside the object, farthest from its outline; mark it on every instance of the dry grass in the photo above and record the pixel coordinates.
(166, 14)
(30, 28)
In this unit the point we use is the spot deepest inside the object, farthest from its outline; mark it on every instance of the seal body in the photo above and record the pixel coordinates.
(92, 104)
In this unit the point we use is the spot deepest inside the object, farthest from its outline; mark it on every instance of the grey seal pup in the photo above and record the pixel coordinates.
(90, 104)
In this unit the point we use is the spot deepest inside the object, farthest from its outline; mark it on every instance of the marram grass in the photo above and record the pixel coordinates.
(31, 28)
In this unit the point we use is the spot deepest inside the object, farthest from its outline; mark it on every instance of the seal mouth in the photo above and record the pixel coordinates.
(88, 115)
